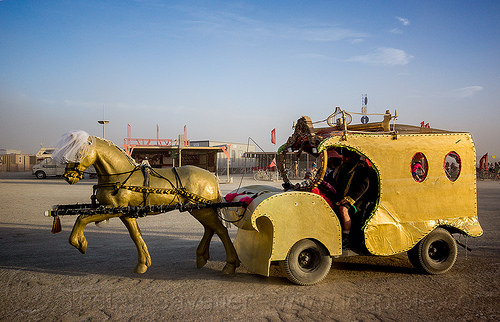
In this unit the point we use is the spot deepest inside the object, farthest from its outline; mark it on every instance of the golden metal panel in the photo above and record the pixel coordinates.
(409, 210)
(278, 221)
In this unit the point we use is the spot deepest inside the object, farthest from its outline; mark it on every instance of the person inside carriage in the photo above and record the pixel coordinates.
(350, 188)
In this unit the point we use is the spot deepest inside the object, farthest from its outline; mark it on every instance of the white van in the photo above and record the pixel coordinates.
(48, 167)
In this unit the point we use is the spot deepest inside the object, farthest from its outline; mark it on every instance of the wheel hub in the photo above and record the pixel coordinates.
(438, 251)
(308, 259)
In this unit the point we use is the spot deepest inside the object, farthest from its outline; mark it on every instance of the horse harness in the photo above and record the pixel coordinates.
(178, 190)
(74, 170)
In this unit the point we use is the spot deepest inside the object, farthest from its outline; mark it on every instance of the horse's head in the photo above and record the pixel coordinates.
(77, 150)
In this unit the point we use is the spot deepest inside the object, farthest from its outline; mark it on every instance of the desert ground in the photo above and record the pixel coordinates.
(44, 278)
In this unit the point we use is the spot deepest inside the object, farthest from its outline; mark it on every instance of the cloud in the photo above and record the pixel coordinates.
(319, 34)
(403, 21)
(396, 31)
(311, 56)
(468, 91)
(226, 22)
(357, 40)
(384, 56)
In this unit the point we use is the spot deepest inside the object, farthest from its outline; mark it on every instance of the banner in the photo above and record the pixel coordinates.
(483, 162)
(273, 136)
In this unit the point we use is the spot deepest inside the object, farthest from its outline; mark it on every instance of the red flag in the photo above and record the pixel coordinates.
(272, 164)
(227, 150)
(483, 162)
(273, 136)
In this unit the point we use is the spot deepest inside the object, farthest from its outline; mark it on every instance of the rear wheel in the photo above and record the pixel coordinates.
(435, 254)
(40, 175)
(307, 263)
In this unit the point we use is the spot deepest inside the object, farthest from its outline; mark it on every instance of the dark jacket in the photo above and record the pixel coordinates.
(352, 184)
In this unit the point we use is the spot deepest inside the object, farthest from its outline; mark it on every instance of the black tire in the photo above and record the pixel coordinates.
(413, 256)
(435, 254)
(40, 175)
(307, 263)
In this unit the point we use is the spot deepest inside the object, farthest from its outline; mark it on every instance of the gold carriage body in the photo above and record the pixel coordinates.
(406, 210)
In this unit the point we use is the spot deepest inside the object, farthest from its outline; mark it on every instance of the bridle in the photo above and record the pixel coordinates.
(74, 170)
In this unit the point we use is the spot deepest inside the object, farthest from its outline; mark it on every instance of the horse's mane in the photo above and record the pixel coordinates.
(129, 158)
(74, 145)
(71, 147)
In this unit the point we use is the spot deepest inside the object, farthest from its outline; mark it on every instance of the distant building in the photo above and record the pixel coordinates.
(10, 151)
(16, 161)
(168, 156)
(214, 156)
(236, 152)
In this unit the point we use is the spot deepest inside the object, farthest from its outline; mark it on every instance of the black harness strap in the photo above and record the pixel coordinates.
(178, 181)
(146, 169)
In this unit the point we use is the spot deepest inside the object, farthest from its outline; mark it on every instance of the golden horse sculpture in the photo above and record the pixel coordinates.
(119, 175)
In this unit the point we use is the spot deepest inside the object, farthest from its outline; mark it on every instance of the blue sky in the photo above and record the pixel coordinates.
(230, 70)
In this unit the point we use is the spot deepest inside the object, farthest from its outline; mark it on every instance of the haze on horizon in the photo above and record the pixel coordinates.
(232, 70)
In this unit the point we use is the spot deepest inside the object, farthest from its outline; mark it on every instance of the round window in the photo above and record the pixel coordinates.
(419, 167)
(452, 166)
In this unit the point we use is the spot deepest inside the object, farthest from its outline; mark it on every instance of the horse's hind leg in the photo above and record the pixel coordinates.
(203, 250)
(232, 260)
(144, 259)
(208, 218)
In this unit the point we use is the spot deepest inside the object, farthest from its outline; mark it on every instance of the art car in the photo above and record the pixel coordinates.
(405, 189)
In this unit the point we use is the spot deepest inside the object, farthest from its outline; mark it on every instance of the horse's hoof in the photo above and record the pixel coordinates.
(79, 243)
(141, 268)
(83, 247)
(229, 269)
(200, 261)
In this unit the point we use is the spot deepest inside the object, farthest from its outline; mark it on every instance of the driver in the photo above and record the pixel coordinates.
(351, 184)
(327, 187)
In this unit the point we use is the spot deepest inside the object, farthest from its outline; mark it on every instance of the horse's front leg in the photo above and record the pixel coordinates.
(144, 259)
(77, 238)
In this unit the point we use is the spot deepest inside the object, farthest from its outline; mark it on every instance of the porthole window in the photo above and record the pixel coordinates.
(452, 166)
(419, 167)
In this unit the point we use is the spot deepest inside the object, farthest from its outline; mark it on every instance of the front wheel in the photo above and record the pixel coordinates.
(435, 254)
(40, 175)
(307, 263)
